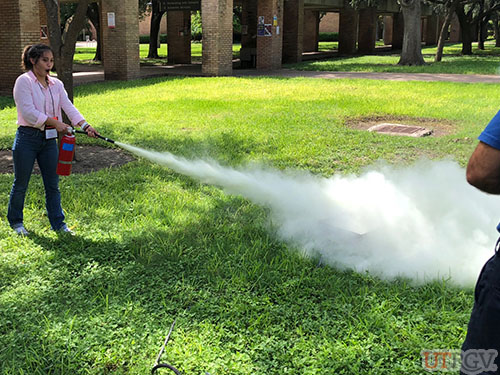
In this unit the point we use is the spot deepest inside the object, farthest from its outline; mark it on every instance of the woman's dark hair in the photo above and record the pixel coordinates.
(33, 52)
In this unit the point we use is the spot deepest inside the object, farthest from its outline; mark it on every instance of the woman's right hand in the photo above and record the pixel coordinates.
(63, 128)
(60, 126)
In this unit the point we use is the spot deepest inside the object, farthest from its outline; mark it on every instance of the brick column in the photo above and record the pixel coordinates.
(311, 31)
(269, 47)
(121, 43)
(388, 30)
(217, 25)
(397, 30)
(367, 30)
(248, 51)
(348, 29)
(293, 30)
(43, 22)
(20, 25)
(179, 36)
(431, 30)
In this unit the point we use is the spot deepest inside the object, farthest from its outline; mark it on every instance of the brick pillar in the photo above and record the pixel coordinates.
(431, 30)
(179, 36)
(397, 31)
(367, 30)
(455, 33)
(121, 43)
(311, 31)
(269, 47)
(293, 31)
(348, 29)
(388, 30)
(43, 23)
(20, 25)
(248, 51)
(217, 47)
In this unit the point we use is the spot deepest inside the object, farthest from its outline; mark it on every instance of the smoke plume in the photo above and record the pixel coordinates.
(423, 222)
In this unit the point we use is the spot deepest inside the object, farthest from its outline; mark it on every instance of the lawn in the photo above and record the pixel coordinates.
(153, 245)
(481, 62)
(84, 55)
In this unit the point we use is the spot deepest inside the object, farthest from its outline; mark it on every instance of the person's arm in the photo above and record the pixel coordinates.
(85, 126)
(23, 96)
(72, 112)
(483, 169)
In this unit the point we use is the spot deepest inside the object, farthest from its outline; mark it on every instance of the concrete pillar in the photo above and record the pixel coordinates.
(367, 30)
(20, 25)
(121, 42)
(179, 36)
(348, 29)
(431, 30)
(293, 31)
(217, 25)
(269, 21)
(311, 31)
(388, 25)
(248, 51)
(397, 31)
(455, 32)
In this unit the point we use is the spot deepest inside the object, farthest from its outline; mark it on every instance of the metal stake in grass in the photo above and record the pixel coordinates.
(157, 364)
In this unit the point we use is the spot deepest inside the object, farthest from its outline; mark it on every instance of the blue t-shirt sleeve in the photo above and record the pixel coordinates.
(491, 134)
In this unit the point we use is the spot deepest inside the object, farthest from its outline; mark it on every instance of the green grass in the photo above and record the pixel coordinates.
(84, 55)
(481, 62)
(153, 245)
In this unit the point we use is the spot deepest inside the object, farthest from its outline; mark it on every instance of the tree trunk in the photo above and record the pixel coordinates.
(156, 16)
(412, 36)
(467, 28)
(496, 29)
(93, 15)
(444, 30)
(467, 38)
(63, 45)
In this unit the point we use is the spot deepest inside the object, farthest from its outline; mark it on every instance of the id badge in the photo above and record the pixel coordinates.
(50, 131)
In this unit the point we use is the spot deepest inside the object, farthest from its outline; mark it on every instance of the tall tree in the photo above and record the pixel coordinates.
(63, 42)
(93, 14)
(157, 13)
(450, 7)
(496, 29)
(412, 36)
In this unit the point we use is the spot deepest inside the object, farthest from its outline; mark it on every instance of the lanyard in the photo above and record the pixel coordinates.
(44, 101)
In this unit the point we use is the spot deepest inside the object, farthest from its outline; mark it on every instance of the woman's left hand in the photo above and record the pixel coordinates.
(91, 132)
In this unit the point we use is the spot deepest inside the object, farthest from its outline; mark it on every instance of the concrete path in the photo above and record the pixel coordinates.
(95, 73)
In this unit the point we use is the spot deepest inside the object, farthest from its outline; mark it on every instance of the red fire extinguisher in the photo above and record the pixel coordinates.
(66, 152)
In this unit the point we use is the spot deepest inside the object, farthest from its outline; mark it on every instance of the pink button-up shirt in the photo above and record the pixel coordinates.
(36, 103)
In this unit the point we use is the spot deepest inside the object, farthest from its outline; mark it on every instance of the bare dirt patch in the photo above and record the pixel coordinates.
(439, 127)
(88, 159)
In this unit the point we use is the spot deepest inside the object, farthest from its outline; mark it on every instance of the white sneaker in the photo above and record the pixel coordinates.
(64, 229)
(21, 230)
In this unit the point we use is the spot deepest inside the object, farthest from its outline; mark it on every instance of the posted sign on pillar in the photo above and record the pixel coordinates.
(111, 20)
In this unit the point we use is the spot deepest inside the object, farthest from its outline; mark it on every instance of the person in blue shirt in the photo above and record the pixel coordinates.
(483, 172)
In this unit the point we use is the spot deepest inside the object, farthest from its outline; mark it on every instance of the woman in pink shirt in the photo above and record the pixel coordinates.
(39, 99)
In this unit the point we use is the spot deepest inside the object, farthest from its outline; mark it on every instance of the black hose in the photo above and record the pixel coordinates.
(97, 135)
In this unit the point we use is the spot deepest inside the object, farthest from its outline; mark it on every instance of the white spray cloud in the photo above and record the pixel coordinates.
(423, 222)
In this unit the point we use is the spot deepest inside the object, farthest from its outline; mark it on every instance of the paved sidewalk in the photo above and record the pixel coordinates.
(95, 73)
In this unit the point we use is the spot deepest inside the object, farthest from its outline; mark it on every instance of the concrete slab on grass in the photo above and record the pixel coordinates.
(400, 129)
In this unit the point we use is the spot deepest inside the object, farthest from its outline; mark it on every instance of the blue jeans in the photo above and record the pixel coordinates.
(30, 145)
(484, 325)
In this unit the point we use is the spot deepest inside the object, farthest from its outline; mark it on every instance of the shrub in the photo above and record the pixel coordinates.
(328, 37)
(144, 39)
